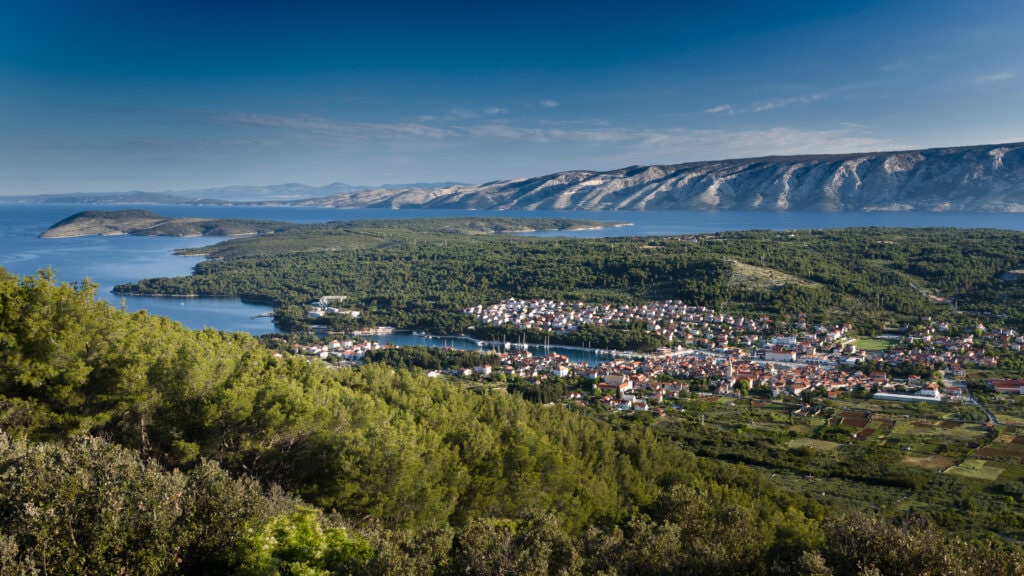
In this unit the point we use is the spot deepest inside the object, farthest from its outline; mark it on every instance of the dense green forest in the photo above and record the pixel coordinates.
(133, 445)
(421, 275)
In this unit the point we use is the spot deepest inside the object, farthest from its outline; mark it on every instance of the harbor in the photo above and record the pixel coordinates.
(577, 354)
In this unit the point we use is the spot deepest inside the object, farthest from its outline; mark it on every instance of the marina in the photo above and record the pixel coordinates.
(577, 354)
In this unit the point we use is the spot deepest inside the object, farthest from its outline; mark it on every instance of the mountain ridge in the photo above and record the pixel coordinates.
(967, 178)
(982, 178)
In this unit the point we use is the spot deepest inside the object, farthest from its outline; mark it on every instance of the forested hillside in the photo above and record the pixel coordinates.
(132, 445)
(421, 278)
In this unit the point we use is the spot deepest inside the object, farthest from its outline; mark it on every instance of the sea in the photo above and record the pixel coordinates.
(111, 260)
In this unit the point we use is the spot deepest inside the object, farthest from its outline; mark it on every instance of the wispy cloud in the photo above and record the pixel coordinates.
(323, 126)
(992, 78)
(897, 65)
(673, 146)
(784, 102)
(722, 109)
(461, 114)
(548, 103)
(779, 140)
(634, 145)
(732, 110)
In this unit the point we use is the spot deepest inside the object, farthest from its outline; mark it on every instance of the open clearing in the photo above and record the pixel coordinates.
(872, 344)
(819, 445)
(763, 278)
(980, 469)
(934, 462)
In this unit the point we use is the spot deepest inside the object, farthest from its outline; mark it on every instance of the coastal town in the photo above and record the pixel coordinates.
(711, 353)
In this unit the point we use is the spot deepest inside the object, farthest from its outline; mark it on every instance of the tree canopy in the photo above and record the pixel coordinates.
(132, 444)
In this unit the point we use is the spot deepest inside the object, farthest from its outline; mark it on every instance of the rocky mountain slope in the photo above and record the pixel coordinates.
(973, 178)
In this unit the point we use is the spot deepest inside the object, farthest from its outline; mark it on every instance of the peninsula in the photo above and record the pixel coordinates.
(304, 236)
(145, 223)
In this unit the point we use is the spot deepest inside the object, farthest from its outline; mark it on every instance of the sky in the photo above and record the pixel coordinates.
(116, 95)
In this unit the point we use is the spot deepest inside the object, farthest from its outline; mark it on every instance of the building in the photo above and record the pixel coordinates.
(1007, 385)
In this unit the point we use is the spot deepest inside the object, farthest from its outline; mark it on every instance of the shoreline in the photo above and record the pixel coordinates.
(528, 345)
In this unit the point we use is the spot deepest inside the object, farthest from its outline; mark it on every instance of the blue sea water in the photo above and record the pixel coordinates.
(113, 260)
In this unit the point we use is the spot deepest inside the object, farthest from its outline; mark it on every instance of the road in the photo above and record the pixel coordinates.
(972, 401)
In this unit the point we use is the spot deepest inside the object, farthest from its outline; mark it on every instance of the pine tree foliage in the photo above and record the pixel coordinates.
(133, 445)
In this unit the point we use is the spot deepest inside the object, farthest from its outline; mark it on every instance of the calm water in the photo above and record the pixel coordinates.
(574, 354)
(113, 260)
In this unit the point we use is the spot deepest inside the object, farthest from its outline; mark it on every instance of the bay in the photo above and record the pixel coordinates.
(573, 353)
(113, 260)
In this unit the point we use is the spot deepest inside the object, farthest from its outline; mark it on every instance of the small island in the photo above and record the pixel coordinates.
(145, 223)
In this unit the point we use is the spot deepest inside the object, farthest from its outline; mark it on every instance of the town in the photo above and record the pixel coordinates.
(718, 354)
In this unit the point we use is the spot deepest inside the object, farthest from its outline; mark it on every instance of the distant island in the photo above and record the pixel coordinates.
(220, 196)
(145, 223)
(986, 178)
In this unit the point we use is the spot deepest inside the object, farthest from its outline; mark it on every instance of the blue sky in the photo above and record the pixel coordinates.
(106, 95)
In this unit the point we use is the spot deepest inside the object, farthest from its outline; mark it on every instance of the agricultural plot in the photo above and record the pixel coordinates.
(928, 443)
(930, 462)
(819, 445)
(846, 455)
(940, 432)
(854, 419)
(924, 441)
(932, 444)
(1010, 419)
(978, 469)
(1012, 472)
(877, 429)
(1005, 447)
